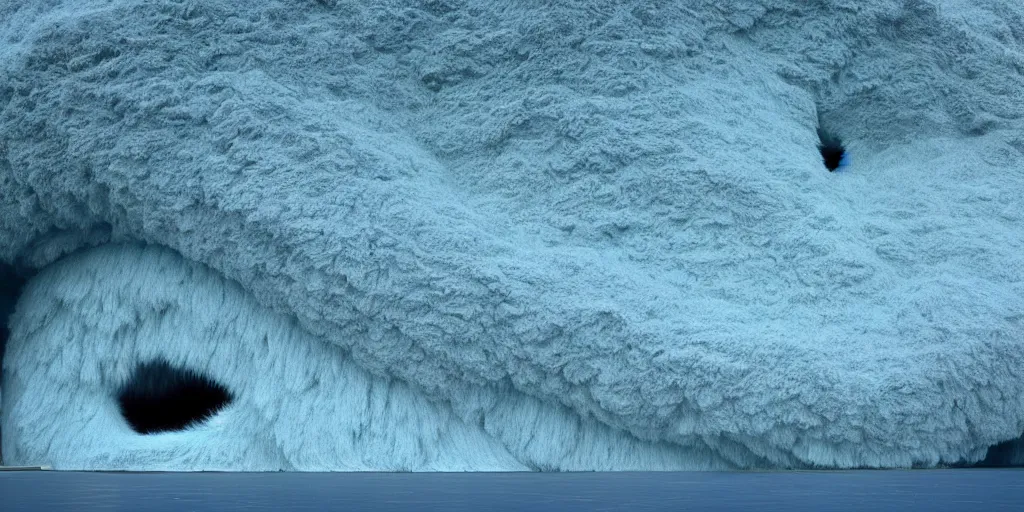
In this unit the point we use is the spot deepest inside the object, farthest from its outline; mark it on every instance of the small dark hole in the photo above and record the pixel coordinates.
(159, 397)
(832, 150)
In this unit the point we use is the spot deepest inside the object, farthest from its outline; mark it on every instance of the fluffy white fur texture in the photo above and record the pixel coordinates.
(615, 206)
(299, 403)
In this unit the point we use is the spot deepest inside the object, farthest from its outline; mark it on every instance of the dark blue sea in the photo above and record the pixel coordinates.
(871, 491)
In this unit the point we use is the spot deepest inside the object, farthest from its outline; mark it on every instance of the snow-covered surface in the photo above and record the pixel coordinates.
(608, 212)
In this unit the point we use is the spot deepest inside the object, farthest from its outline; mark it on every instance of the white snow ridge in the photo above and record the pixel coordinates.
(421, 235)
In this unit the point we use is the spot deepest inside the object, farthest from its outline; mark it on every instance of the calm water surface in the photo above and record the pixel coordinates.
(872, 491)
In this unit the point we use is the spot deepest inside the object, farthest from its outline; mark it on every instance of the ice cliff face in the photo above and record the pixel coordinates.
(608, 221)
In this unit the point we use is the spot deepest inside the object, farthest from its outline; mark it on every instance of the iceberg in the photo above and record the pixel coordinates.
(465, 235)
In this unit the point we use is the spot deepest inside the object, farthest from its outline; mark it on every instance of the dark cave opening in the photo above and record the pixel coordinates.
(11, 284)
(833, 152)
(159, 397)
(1003, 455)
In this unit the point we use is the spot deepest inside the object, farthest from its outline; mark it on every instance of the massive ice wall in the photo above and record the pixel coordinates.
(615, 208)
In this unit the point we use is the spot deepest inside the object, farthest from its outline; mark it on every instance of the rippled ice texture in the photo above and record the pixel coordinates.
(602, 228)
